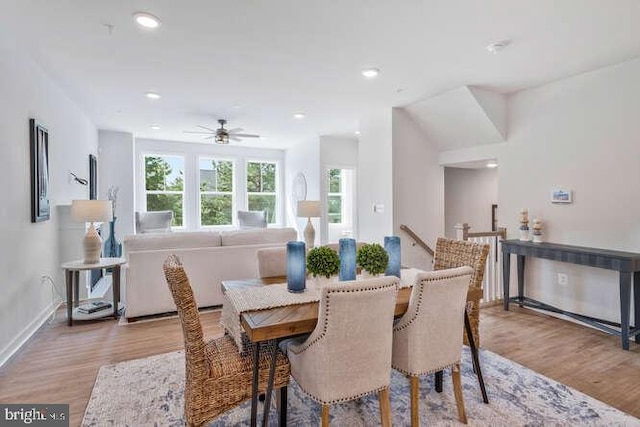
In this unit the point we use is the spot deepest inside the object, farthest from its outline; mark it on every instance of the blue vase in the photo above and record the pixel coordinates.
(112, 248)
(296, 267)
(347, 259)
(392, 246)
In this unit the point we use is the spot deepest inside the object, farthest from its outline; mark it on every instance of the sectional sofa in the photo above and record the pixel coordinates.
(208, 257)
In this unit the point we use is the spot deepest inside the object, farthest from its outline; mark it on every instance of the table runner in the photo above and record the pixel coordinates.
(238, 301)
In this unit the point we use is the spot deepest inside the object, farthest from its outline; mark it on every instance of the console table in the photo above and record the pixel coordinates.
(627, 264)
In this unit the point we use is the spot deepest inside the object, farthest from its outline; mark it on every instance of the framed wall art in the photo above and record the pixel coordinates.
(93, 177)
(561, 195)
(39, 139)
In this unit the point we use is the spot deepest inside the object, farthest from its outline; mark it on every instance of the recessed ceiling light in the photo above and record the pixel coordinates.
(146, 20)
(497, 47)
(357, 132)
(152, 95)
(370, 72)
(155, 127)
(492, 164)
(299, 115)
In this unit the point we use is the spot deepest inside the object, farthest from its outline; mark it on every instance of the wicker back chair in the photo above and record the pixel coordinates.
(458, 253)
(218, 378)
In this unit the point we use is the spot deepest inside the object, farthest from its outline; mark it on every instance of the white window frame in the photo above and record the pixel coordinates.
(233, 192)
(276, 193)
(146, 192)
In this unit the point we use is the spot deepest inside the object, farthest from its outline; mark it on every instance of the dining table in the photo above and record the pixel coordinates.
(278, 323)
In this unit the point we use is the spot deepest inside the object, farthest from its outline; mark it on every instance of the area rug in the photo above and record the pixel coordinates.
(149, 392)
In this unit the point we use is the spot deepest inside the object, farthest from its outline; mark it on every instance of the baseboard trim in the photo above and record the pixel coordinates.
(16, 344)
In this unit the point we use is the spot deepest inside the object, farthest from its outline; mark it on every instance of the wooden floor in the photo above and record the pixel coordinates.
(59, 365)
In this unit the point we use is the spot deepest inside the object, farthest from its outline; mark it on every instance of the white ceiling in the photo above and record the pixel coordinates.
(256, 62)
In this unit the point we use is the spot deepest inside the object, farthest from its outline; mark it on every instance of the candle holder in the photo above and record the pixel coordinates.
(296, 267)
(392, 246)
(347, 254)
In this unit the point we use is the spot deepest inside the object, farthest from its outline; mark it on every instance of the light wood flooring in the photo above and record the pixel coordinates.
(60, 364)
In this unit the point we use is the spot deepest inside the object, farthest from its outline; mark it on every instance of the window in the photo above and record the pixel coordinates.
(261, 188)
(164, 185)
(216, 192)
(335, 196)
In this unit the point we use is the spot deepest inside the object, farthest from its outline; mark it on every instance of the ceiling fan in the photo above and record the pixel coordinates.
(222, 135)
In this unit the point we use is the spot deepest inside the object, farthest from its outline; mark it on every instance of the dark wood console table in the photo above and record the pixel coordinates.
(625, 263)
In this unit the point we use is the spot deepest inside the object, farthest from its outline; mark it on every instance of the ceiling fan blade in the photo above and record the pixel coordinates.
(235, 130)
(246, 135)
(201, 133)
(209, 137)
(234, 138)
(204, 127)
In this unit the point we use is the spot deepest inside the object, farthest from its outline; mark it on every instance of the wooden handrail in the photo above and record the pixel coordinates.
(417, 239)
(466, 234)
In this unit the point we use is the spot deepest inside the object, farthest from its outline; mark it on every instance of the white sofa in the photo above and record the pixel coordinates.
(208, 258)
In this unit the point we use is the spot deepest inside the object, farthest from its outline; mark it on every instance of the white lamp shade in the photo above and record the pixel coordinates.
(308, 208)
(91, 210)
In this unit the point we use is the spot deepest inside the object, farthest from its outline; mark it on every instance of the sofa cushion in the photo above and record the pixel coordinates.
(182, 240)
(258, 236)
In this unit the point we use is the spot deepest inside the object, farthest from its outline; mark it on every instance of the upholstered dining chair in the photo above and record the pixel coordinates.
(218, 378)
(272, 262)
(348, 354)
(427, 337)
(457, 253)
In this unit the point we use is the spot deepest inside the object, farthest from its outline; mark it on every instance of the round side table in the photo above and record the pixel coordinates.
(72, 271)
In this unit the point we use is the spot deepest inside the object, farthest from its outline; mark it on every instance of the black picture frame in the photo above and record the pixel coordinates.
(494, 217)
(39, 141)
(93, 177)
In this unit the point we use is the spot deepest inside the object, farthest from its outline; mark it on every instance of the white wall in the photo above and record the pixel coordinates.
(375, 176)
(303, 157)
(468, 196)
(580, 133)
(339, 153)
(418, 183)
(29, 251)
(115, 169)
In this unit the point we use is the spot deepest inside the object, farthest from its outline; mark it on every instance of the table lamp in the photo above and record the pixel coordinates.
(91, 211)
(309, 209)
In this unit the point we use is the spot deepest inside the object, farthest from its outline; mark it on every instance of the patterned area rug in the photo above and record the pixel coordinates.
(149, 392)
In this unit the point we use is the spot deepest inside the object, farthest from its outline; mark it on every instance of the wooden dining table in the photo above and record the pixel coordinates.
(275, 324)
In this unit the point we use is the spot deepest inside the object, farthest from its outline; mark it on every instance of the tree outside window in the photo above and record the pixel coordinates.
(216, 192)
(334, 196)
(164, 185)
(261, 188)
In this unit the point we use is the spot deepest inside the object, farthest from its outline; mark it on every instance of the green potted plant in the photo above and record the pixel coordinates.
(323, 262)
(372, 258)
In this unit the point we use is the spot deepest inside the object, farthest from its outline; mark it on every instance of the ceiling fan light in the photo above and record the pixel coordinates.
(222, 139)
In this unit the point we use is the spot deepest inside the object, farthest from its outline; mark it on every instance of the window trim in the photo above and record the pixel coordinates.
(233, 192)
(277, 212)
(146, 192)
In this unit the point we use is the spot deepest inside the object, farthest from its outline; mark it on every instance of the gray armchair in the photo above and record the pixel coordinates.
(153, 222)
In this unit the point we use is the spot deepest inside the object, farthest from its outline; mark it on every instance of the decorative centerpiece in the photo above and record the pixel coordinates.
(524, 225)
(537, 231)
(323, 262)
(347, 253)
(392, 247)
(373, 259)
(296, 271)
